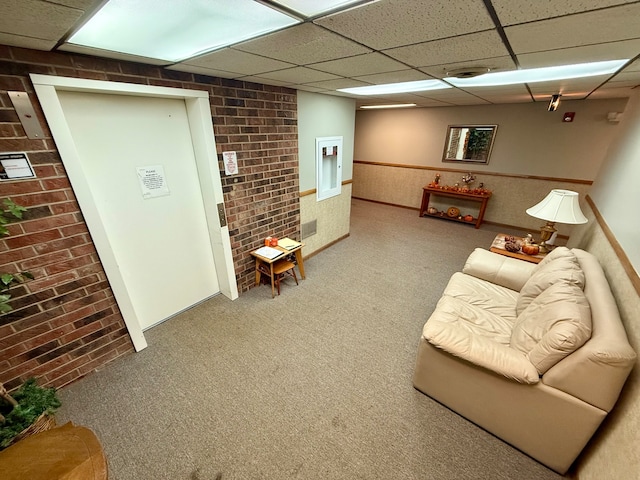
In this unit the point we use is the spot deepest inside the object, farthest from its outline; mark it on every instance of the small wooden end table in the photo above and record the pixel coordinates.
(265, 265)
(498, 247)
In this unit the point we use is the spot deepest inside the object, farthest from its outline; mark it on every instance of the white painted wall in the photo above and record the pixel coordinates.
(616, 191)
(323, 116)
(530, 140)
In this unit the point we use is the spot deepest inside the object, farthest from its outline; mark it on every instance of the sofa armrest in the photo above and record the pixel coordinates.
(481, 351)
(504, 271)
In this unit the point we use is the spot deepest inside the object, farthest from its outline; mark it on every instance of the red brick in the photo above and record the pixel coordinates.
(55, 183)
(49, 223)
(68, 265)
(43, 260)
(61, 244)
(65, 208)
(16, 255)
(10, 189)
(18, 371)
(44, 171)
(52, 281)
(34, 199)
(74, 230)
(32, 239)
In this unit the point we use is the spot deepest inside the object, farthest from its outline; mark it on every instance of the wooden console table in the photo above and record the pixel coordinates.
(427, 191)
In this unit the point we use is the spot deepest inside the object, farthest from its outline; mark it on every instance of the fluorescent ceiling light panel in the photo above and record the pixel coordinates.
(398, 105)
(312, 8)
(544, 74)
(174, 31)
(402, 87)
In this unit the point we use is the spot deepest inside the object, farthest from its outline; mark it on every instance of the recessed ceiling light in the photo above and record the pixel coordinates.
(172, 32)
(544, 74)
(398, 105)
(402, 87)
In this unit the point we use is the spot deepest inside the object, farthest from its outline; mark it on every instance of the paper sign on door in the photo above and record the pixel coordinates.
(153, 183)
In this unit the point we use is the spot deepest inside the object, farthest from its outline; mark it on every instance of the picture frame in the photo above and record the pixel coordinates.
(469, 143)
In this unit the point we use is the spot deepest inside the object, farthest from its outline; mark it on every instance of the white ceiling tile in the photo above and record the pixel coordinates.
(510, 12)
(14, 40)
(466, 48)
(567, 86)
(406, 75)
(212, 72)
(38, 20)
(609, 25)
(403, 22)
(308, 88)
(515, 98)
(265, 81)
(613, 92)
(498, 64)
(302, 44)
(625, 79)
(359, 65)
(589, 53)
(338, 83)
(237, 61)
(299, 75)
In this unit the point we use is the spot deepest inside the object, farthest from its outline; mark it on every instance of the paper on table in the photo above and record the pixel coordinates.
(268, 252)
(288, 243)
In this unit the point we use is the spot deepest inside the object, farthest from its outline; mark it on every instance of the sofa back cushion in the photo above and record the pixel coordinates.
(556, 323)
(555, 268)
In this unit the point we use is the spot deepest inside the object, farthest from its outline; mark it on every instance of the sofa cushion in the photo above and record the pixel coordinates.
(556, 323)
(558, 252)
(562, 268)
(480, 350)
(490, 297)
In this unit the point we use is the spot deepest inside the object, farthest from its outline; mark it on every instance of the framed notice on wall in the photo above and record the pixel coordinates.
(15, 166)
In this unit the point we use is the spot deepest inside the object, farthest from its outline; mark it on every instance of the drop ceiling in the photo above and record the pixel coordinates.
(388, 41)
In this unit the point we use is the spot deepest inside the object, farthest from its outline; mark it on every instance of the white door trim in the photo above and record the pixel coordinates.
(199, 114)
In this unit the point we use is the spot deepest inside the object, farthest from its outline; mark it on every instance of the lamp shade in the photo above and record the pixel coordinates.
(559, 206)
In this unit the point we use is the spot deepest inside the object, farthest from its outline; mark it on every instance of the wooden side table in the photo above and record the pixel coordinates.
(427, 191)
(266, 265)
(497, 246)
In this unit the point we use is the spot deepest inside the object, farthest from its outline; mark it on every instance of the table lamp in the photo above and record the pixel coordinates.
(559, 206)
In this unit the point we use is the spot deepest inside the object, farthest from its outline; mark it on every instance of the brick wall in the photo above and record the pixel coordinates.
(66, 323)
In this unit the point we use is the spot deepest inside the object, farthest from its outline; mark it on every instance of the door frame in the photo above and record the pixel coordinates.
(204, 147)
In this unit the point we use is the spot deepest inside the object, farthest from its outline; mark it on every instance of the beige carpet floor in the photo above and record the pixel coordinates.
(314, 384)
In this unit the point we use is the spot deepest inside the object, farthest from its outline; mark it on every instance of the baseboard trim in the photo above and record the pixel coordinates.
(386, 203)
(488, 222)
(328, 245)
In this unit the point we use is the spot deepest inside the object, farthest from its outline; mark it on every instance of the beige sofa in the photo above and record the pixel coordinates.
(535, 354)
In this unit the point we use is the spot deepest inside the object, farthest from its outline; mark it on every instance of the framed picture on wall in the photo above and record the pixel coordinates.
(469, 143)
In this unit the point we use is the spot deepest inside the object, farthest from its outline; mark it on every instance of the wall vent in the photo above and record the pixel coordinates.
(309, 228)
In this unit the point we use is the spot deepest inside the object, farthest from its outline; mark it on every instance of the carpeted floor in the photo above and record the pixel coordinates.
(315, 384)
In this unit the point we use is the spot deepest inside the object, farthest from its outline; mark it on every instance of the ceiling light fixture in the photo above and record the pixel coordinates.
(543, 74)
(397, 105)
(159, 30)
(402, 87)
(555, 101)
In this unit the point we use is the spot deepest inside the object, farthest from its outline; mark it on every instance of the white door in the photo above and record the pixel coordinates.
(161, 244)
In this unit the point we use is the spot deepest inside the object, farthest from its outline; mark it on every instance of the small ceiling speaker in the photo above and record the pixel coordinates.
(468, 72)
